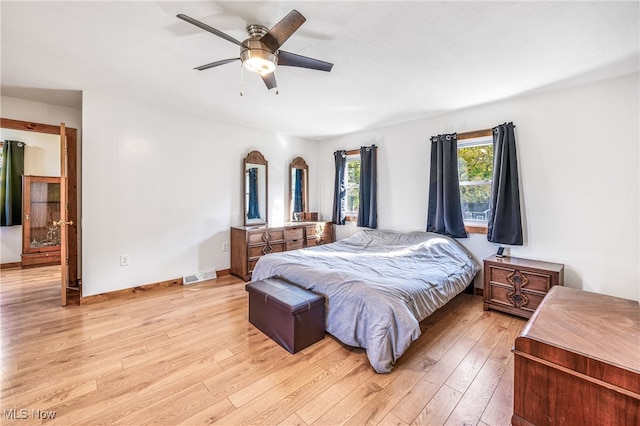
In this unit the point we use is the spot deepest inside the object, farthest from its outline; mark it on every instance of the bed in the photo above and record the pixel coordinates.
(379, 285)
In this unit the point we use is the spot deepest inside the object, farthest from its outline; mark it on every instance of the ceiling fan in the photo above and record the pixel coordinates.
(261, 52)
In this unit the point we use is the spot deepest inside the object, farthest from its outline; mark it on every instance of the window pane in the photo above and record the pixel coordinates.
(475, 201)
(353, 185)
(475, 168)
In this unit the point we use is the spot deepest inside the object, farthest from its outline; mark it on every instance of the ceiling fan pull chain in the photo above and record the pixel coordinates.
(241, 79)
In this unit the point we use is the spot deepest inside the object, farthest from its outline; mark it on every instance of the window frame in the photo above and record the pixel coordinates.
(467, 140)
(352, 155)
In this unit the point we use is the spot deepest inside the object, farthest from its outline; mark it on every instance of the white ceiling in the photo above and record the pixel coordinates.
(394, 61)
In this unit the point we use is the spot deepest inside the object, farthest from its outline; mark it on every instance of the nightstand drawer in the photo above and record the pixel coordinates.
(500, 294)
(500, 275)
(525, 279)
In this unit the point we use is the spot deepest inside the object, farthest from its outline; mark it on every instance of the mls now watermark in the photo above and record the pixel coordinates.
(23, 414)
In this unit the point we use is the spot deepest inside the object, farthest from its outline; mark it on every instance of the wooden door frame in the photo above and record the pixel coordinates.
(72, 176)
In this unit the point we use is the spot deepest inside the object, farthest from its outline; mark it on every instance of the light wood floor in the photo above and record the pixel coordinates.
(187, 355)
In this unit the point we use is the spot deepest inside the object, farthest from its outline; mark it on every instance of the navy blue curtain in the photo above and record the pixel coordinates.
(368, 207)
(253, 212)
(505, 222)
(297, 191)
(11, 183)
(339, 188)
(444, 214)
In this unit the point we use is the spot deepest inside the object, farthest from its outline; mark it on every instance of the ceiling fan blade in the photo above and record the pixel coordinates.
(293, 60)
(210, 29)
(269, 80)
(215, 64)
(281, 31)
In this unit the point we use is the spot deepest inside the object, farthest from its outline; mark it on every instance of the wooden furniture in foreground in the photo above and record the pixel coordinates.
(249, 243)
(40, 209)
(577, 361)
(291, 316)
(517, 286)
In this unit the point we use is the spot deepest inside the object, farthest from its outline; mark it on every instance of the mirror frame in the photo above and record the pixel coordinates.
(298, 163)
(255, 158)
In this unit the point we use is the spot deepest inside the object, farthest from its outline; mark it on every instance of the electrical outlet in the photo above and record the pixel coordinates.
(124, 260)
(225, 246)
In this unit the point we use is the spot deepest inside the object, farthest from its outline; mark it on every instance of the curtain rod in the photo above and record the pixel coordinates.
(355, 151)
(475, 134)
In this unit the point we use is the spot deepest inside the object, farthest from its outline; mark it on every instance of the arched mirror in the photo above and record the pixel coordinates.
(298, 188)
(255, 189)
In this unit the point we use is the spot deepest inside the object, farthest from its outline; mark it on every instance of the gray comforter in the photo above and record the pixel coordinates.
(379, 285)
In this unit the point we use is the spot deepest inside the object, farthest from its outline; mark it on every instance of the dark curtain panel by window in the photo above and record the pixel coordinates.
(445, 212)
(297, 191)
(339, 190)
(11, 183)
(253, 212)
(368, 208)
(505, 223)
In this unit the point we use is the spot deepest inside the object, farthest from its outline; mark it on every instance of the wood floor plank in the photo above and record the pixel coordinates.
(467, 370)
(417, 399)
(187, 355)
(325, 401)
(476, 398)
(310, 391)
(494, 413)
(439, 408)
(374, 411)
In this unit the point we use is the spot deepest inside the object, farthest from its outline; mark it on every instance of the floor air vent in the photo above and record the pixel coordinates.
(198, 276)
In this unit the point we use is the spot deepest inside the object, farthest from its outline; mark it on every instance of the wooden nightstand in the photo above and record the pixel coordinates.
(516, 285)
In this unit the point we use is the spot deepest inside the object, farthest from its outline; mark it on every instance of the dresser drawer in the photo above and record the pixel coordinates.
(259, 250)
(291, 234)
(294, 245)
(258, 237)
(264, 236)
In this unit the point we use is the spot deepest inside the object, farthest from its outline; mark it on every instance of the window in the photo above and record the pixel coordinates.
(475, 170)
(352, 178)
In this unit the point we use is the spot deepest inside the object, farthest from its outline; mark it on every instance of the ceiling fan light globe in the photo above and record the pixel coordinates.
(257, 58)
(259, 65)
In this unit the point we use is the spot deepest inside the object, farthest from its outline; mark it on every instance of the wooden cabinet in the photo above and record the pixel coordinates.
(40, 208)
(249, 243)
(517, 286)
(577, 362)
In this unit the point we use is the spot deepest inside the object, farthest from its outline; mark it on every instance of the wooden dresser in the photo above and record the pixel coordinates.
(517, 286)
(577, 362)
(249, 243)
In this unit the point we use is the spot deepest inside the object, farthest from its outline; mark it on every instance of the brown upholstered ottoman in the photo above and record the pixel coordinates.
(290, 315)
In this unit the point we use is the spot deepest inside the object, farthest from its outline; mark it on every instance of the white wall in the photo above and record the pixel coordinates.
(578, 161)
(165, 188)
(42, 154)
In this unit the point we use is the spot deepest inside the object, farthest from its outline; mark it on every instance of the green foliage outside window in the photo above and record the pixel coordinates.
(353, 185)
(475, 169)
